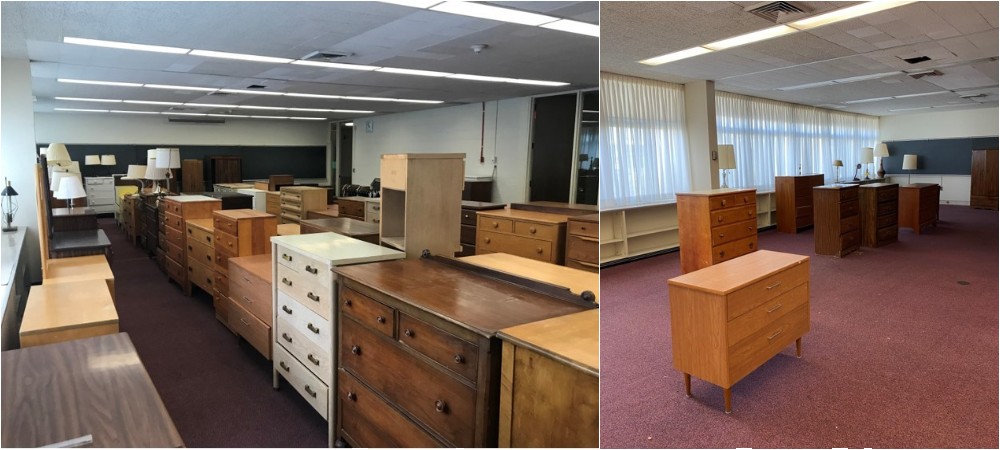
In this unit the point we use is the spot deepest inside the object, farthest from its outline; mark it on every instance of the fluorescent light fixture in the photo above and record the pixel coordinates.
(349, 124)
(422, 73)
(81, 99)
(430, 102)
(209, 105)
(846, 13)
(277, 108)
(422, 4)
(179, 88)
(149, 102)
(307, 118)
(463, 76)
(539, 82)
(125, 45)
(244, 91)
(351, 111)
(371, 99)
(335, 65)
(228, 115)
(807, 86)
(80, 110)
(574, 26)
(240, 56)
(310, 109)
(294, 94)
(873, 76)
(172, 113)
(909, 109)
(493, 13)
(663, 59)
(922, 94)
(867, 100)
(756, 36)
(102, 83)
(122, 111)
(268, 117)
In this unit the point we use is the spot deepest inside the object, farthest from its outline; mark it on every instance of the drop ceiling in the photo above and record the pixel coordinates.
(960, 38)
(373, 33)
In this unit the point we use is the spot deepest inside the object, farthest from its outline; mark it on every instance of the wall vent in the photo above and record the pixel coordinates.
(777, 12)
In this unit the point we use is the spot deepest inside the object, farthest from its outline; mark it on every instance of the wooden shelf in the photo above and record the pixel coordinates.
(612, 241)
(398, 243)
(651, 231)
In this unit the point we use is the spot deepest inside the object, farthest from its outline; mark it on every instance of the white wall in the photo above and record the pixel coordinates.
(940, 125)
(505, 134)
(17, 153)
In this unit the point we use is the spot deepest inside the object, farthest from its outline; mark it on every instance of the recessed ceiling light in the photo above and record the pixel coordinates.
(294, 94)
(333, 65)
(423, 73)
(122, 111)
(125, 45)
(148, 102)
(173, 113)
(846, 13)
(663, 59)
(80, 110)
(240, 56)
(756, 36)
(81, 99)
(277, 108)
(351, 111)
(493, 13)
(102, 83)
(574, 26)
(209, 105)
(307, 118)
(462, 76)
(179, 88)
(349, 124)
(244, 91)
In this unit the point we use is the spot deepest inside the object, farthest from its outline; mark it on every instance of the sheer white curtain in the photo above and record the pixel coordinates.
(644, 154)
(776, 138)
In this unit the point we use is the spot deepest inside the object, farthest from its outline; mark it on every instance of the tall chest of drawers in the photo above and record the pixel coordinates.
(715, 226)
(879, 204)
(729, 319)
(101, 194)
(129, 219)
(237, 232)
(837, 229)
(272, 203)
(200, 254)
(470, 224)
(304, 297)
(250, 311)
(296, 201)
(530, 234)
(795, 201)
(177, 210)
(918, 205)
(583, 242)
(150, 223)
(419, 357)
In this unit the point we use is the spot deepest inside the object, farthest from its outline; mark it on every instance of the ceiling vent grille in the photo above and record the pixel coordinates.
(202, 120)
(776, 12)
(325, 56)
(926, 73)
(220, 94)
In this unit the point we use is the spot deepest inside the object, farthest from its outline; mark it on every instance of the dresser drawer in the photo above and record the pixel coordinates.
(733, 249)
(173, 220)
(291, 208)
(370, 422)
(469, 217)
(516, 245)
(850, 240)
(257, 333)
(303, 264)
(222, 282)
(161, 226)
(728, 233)
(889, 233)
(732, 215)
(308, 323)
(174, 252)
(495, 224)
(227, 242)
(731, 200)
(442, 402)
(368, 311)
(222, 260)
(221, 304)
(288, 197)
(888, 193)
(314, 358)
(886, 220)
(804, 214)
(311, 388)
(202, 253)
(886, 208)
(200, 235)
(251, 293)
(765, 289)
(350, 208)
(225, 224)
(536, 230)
(583, 265)
(850, 223)
(200, 274)
(373, 208)
(848, 209)
(583, 248)
(172, 207)
(305, 288)
(588, 229)
(757, 348)
(452, 352)
(289, 217)
(847, 195)
(766, 313)
(468, 235)
(175, 270)
(175, 236)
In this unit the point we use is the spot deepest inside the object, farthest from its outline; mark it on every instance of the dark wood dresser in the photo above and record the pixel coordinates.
(983, 189)
(419, 357)
(837, 223)
(795, 201)
(468, 234)
(879, 203)
(918, 205)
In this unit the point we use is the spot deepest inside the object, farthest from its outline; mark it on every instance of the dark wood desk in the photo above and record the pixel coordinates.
(74, 219)
(65, 244)
(96, 386)
(354, 228)
(918, 205)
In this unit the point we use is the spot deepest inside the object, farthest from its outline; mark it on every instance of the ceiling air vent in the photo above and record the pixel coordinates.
(776, 12)
(917, 59)
(204, 120)
(925, 73)
(256, 86)
(220, 94)
(325, 56)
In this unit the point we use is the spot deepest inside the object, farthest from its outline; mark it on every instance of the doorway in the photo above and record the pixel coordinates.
(552, 138)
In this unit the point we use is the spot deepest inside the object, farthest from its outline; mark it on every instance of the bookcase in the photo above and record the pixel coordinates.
(421, 197)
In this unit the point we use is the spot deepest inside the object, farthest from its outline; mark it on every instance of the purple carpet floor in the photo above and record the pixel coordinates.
(902, 351)
(216, 387)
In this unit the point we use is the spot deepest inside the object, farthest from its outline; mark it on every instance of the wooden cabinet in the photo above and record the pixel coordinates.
(879, 204)
(418, 354)
(918, 205)
(582, 242)
(296, 201)
(530, 234)
(365, 209)
(715, 226)
(149, 223)
(273, 203)
(303, 299)
(477, 190)
(421, 197)
(177, 211)
(795, 201)
(984, 179)
(130, 216)
(729, 319)
(250, 311)
(192, 175)
(225, 169)
(469, 222)
(838, 223)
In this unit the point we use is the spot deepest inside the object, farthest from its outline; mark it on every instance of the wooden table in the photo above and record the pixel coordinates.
(74, 219)
(65, 244)
(80, 268)
(344, 226)
(918, 205)
(65, 311)
(96, 386)
(575, 280)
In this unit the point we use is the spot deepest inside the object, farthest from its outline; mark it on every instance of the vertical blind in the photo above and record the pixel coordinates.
(644, 155)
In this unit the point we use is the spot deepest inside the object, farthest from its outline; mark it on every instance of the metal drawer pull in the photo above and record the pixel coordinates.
(286, 282)
(440, 406)
(408, 332)
(313, 297)
(312, 270)
(380, 319)
(244, 321)
(286, 309)
(352, 396)
(247, 300)
(774, 308)
(285, 257)
(310, 391)
(312, 359)
(312, 328)
(286, 337)
(459, 359)
(355, 350)
(284, 366)
(774, 285)
(776, 333)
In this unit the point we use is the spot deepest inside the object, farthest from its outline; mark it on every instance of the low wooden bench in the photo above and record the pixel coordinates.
(65, 311)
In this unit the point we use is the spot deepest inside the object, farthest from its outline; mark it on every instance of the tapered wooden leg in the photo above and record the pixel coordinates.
(687, 384)
(798, 348)
(727, 395)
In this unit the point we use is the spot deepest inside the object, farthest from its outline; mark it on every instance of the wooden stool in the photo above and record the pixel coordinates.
(66, 311)
(80, 268)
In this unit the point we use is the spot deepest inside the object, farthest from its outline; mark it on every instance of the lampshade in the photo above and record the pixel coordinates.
(881, 150)
(727, 157)
(152, 173)
(8, 191)
(909, 162)
(838, 163)
(109, 160)
(151, 153)
(135, 172)
(70, 187)
(92, 160)
(55, 178)
(867, 155)
(168, 158)
(57, 153)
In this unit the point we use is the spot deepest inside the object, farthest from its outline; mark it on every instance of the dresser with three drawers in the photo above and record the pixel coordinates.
(837, 228)
(530, 234)
(879, 204)
(583, 242)
(177, 210)
(470, 224)
(201, 254)
(715, 226)
(250, 311)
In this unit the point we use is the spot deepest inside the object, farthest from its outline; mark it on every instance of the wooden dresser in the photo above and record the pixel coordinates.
(984, 189)
(129, 216)
(150, 223)
(296, 201)
(421, 198)
(177, 210)
(729, 319)
(531, 234)
(304, 299)
(795, 201)
(838, 224)
(918, 205)
(879, 204)
(201, 254)
(365, 209)
(715, 226)
(250, 309)
(272, 203)
(419, 359)
(469, 223)
(238, 232)
(583, 242)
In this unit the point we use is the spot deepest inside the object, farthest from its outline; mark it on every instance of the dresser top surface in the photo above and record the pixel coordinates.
(344, 225)
(204, 224)
(473, 301)
(358, 198)
(591, 218)
(285, 229)
(251, 191)
(238, 214)
(836, 186)
(259, 265)
(60, 306)
(917, 185)
(519, 214)
(575, 280)
(337, 249)
(479, 206)
(424, 156)
(729, 276)
(877, 185)
(573, 338)
(190, 198)
(710, 192)
(301, 188)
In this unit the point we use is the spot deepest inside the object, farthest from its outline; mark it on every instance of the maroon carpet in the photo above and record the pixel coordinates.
(902, 351)
(216, 388)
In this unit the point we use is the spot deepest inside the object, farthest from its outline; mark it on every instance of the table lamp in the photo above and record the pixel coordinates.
(909, 163)
(57, 154)
(837, 164)
(154, 174)
(727, 161)
(70, 187)
(57, 175)
(136, 172)
(867, 157)
(882, 151)
(109, 160)
(92, 160)
(169, 159)
(9, 206)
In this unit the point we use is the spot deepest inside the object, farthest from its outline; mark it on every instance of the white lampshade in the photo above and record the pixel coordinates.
(838, 163)
(54, 179)
(135, 172)
(151, 153)
(57, 153)
(168, 158)
(70, 187)
(727, 156)
(109, 160)
(152, 173)
(867, 155)
(881, 150)
(909, 162)
(92, 160)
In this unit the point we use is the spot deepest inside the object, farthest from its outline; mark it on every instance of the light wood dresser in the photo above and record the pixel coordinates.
(879, 205)
(583, 242)
(296, 201)
(795, 201)
(177, 210)
(201, 254)
(715, 226)
(728, 319)
(837, 229)
(304, 297)
(531, 234)
(130, 213)
(238, 232)
(272, 203)
(250, 310)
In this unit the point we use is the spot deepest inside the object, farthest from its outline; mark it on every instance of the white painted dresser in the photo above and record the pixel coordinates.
(101, 194)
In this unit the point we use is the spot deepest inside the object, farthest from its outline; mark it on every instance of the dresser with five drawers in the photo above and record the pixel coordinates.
(176, 211)
(715, 226)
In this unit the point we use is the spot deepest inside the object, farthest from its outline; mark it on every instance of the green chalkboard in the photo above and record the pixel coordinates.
(936, 156)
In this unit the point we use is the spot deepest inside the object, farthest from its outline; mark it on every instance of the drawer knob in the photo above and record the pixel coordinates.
(311, 392)
(347, 303)
(722, 235)
(286, 337)
(286, 309)
(190, 248)
(355, 350)
(208, 280)
(750, 244)
(719, 219)
(286, 282)
(408, 332)
(538, 250)
(313, 297)
(312, 270)
(380, 319)
(440, 406)
(532, 230)
(207, 238)
(352, 396)
(487, 240)
(465, 216)
(749, 213)
(583, 228)
(723, 203)
(286, 257)
(722, 254)
(496, 225)
(244, 322)
(284, 366)
(190, 231)
(190, 269)
(312, 328)
(749, 228)
(208, 257)
(459, 359)
(312, 359)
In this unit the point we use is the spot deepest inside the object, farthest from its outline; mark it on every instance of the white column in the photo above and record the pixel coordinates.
(699, 106)
(17, 153)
